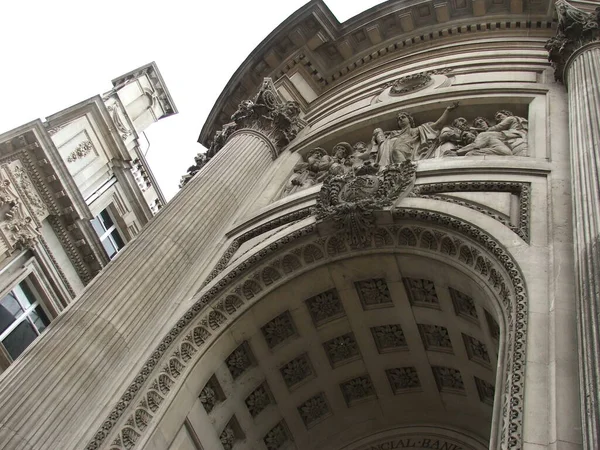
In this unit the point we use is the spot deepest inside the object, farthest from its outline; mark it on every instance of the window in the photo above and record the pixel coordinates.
(22, 318)
(108, 233)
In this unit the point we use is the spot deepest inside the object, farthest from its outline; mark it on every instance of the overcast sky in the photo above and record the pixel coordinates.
(58, 53)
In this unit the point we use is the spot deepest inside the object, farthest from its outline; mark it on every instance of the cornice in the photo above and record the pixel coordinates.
(330, 50)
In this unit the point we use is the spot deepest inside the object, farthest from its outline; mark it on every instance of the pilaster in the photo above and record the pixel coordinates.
(575, 54)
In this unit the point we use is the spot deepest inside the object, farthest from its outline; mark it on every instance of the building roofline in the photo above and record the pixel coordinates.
(241, 85)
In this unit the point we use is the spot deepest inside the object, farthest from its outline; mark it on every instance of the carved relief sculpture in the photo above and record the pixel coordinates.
(81, 151)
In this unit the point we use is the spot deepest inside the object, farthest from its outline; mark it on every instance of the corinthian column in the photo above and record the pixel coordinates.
(58, 393)
(575, 54)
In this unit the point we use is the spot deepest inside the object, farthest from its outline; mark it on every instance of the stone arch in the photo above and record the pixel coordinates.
(495, 267)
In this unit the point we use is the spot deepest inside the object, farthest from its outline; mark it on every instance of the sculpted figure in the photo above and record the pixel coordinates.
(450, 138)
(514, 129)
(309, 173)
(342, 163)
(360, 154)
(487, 142)
(409, 142)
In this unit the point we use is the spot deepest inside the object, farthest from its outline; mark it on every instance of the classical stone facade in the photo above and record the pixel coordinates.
(73, 191)
(390, 243)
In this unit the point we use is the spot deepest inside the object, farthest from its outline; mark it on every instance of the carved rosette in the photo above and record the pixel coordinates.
(576, 28)
(350, 200)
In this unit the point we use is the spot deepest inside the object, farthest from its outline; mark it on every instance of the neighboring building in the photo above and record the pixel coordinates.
(392, 242)
(75, 189)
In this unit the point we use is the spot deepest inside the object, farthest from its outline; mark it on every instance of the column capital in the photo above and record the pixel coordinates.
(266, 113)
(576, 28)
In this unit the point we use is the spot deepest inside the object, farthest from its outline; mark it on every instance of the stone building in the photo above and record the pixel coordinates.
(390, 243)
(74, 190)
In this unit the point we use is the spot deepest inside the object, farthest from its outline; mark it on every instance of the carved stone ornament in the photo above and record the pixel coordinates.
(373, 293)
(350, 200)
(314, 409)
(403, 379)
(325, 307)
(266, 113)
(341, 349)
(448, 379)
(81, 151)
(227, 437)
(296, 371)
(277, 437)
(258, 400)
(279, 329)
(435, 337)
(357, 389)
(239, 361)
(575, 29)
(389, 338)
(18, 229)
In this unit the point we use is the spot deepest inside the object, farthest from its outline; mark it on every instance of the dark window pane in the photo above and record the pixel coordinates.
(10, 303)
(19, 339)
(39, 318)
(6, 318)
(106, 220)
(117, 238)
(109, 247)
(98, 228)
(23, 292)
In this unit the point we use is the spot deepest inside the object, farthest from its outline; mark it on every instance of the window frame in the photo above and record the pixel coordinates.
(32, 274)
(108, 232)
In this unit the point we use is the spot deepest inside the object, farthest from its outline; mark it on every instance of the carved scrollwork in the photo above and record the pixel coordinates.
(351, 199)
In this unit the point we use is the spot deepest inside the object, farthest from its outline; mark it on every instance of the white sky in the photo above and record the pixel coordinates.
(58, 53)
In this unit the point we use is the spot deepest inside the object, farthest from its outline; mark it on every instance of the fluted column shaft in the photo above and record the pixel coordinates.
(57, 395)
(582, 76)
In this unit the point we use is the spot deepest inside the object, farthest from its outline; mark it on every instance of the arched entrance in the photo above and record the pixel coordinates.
(307, 342)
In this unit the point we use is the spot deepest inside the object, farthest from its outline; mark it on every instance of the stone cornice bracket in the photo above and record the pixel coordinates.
(576, 28)
(268, 114)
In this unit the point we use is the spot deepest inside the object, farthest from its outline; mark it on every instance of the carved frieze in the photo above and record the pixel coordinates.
(575, 29)
(342, 349)
(403, 379)
(504, 135)
(314, 410)
(373, 293)
(389, 338)
(358, 389)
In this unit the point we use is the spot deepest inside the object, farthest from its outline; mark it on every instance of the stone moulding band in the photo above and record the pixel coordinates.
(415, 231)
